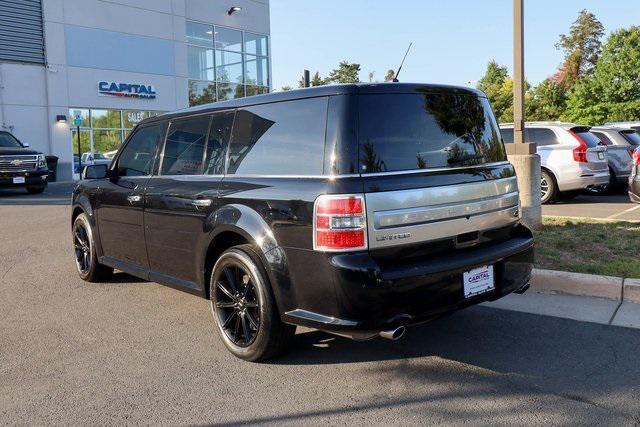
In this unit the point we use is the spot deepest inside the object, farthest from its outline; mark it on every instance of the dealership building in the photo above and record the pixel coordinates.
(107, 64)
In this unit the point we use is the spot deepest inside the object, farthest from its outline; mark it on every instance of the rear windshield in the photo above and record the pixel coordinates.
(590, 139)
(632, 137)
(421, 131)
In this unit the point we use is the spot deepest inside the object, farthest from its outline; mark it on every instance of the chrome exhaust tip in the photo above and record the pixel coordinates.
(393, 334)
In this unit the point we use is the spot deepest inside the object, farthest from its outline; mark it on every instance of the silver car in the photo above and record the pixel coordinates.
(572, 158)
(626, 125)
(620, 146)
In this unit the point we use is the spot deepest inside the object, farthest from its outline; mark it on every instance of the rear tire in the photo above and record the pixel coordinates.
(243, 307)
(548, 188)
(84, 248)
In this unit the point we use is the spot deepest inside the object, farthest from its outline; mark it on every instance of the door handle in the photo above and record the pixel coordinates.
(134, 198)
(201, 203)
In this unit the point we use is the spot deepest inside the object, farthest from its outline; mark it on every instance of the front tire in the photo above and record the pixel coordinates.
(84, 248)
(244, 308)
(548, 188)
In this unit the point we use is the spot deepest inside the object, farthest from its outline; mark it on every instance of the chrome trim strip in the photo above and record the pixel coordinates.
(352, 175)
(422, 215)
(414, 171)
(442, 229)
(319, 318)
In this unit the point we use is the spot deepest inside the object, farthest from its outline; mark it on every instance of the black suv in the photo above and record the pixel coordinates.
(21, 167)
(354, 209)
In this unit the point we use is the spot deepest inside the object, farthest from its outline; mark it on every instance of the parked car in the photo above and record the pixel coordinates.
(21, 167)
(572, 158)
(620, 146)
(635, 125)
(354, 209)
(634, 178)
(94, 159)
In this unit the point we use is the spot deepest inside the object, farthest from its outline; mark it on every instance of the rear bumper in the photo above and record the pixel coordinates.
(365, 298)
(33, 178)
(584, 180)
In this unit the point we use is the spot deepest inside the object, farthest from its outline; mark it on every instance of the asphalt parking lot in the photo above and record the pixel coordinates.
(130, 351)
(615, 207)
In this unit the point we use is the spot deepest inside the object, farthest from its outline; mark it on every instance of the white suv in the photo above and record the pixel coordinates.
(572, 157)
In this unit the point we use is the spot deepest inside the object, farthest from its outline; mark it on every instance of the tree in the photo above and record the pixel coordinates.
(389, 76)
(547, 101)
(285, 88)
(581, 48)
(345, 73)
(612, 91)
(499, 89)
(371, 74)
(316, 80)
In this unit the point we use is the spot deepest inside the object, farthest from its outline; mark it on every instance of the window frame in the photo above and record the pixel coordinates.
(158, 171)
(116, 160)
(244, 55)
(325, 116)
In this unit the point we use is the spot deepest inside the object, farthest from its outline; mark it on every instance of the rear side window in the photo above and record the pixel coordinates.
(541, 136)
(421, 131)
(136, 158)
(603, 138)
(632, 137)
(283, 138)
(507, 135)
(184, 149)
(590, 139)
(219, 133)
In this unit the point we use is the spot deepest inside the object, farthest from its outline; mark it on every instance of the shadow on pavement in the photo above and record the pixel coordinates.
(57, 193)
(580, 362)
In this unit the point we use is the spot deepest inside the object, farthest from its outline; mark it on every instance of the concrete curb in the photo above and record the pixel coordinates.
(631, 290)
(590, 285)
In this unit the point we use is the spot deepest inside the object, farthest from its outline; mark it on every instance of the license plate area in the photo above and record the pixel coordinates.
(478, 281)
(18, 180)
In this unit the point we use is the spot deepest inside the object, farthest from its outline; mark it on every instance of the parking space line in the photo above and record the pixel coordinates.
(608, 219)
(624, 212)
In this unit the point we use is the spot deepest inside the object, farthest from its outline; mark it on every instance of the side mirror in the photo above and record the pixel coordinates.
(95, 172)
(25, 145)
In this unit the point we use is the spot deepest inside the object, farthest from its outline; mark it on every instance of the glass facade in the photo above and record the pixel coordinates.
(224, 63)
(101, 133)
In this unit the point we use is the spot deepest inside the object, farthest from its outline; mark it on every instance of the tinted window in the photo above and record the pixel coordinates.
(8, 140)
(283, 138)
(137, 156)
(603, 137)
(218, 139)
(632, 137)
(590, 139)
(420, 131)
(507, 135)
(541, 136)
(184, 149)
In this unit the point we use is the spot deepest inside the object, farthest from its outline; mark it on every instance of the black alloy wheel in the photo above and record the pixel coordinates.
(237, 304)
(84, 252)
(82, 247)
(244, 308)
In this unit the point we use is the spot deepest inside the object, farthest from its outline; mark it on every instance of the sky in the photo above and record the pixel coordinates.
(452, 39)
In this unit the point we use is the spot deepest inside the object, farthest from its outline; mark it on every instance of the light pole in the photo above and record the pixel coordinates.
(522, 154)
